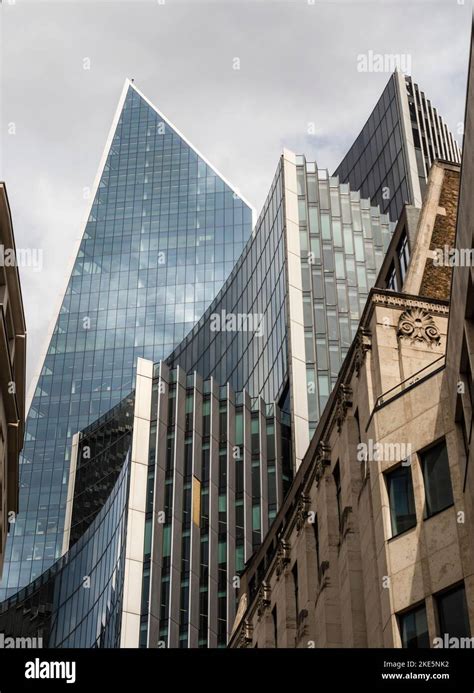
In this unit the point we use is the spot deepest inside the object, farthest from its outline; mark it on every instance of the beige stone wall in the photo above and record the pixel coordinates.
(351, 589)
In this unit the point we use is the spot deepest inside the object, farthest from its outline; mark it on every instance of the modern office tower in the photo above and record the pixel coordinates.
(163, 232)
(333, 246)
(372, 546)
(219, 428)
(390, 160)
(12, 372)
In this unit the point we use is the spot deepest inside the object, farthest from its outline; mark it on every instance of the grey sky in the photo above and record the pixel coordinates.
(298, 65)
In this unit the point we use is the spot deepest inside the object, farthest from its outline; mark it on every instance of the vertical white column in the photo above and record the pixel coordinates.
(132, 590)
(296, 341)
(407, 136)
(70, 493)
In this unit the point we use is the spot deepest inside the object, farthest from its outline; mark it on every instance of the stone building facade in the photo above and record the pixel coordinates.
(12, 372)
(372, 546)
(460, 350)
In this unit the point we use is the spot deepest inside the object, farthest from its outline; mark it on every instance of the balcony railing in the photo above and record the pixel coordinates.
(414, 379)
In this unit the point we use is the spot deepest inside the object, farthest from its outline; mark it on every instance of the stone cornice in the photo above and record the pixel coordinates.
(404, 302)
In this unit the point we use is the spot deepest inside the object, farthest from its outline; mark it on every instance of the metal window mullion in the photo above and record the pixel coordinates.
(449, 142)
(158, 506)
(213, 515)
(177, 521)
(262, 424)
(443, 145)
(426, 152)
(195, 540)
(278, 459)
(247, 474)
(434, 132)
(230, 505)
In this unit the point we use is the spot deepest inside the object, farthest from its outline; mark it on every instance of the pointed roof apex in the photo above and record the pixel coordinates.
(130, 83)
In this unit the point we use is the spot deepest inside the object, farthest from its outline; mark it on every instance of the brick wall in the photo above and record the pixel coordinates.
(436, 281)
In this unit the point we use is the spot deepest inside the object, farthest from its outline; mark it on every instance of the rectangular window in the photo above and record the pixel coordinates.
(313, 220)
(437, 479)
(337, 481)
(340, 269)
(294, 572)
(452, 613)
(337, 233)
(275, 625)
(316, 540)
(325, 227)
(392, 282)
(403, 256)
(414, 628)
(401, 499)
(321, 354)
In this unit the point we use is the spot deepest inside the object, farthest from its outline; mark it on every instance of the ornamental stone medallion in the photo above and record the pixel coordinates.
(418, 325)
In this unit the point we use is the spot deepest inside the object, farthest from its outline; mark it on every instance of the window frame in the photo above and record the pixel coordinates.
(427, 514)
(386, 475)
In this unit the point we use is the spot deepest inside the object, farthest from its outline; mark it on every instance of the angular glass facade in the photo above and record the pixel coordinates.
(77, 602)
(389, 161)
(339, 241)
(254, 357)
(217, 475)
(342, 240)
(231, 411)
(163, 233)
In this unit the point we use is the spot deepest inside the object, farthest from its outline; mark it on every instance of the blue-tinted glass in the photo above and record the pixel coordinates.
(163, 233)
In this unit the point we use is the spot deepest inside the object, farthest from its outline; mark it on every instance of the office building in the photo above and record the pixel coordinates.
(200, 456)
(219, 428)
(390, 160)
(163, 231)
(371, 547)
(460, 348)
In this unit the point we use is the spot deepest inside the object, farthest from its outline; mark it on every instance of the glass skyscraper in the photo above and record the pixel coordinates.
(163, 233)
(390, 160)
(228, 391)
(219, 428)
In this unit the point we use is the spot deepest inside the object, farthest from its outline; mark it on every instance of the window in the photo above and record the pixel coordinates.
(337, 481)
(401, 499)
(294, 572)
(414, 628)
(316, 540)
(403, 256)
(275, 625)
(452, 613)
(438, 489)
(392, 282)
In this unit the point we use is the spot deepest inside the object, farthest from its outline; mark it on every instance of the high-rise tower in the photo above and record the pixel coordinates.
(163, 232)
(389, 161)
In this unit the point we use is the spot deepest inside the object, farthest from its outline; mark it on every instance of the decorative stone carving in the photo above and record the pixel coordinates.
(362, 345)
(263, 599)
(246, 631)
(283, 557)
(418, 325)
(302, 512)
(322, 459)
(343, 402)
(406, 303)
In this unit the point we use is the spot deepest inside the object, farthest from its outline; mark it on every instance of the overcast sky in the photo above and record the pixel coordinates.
(298, 66)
